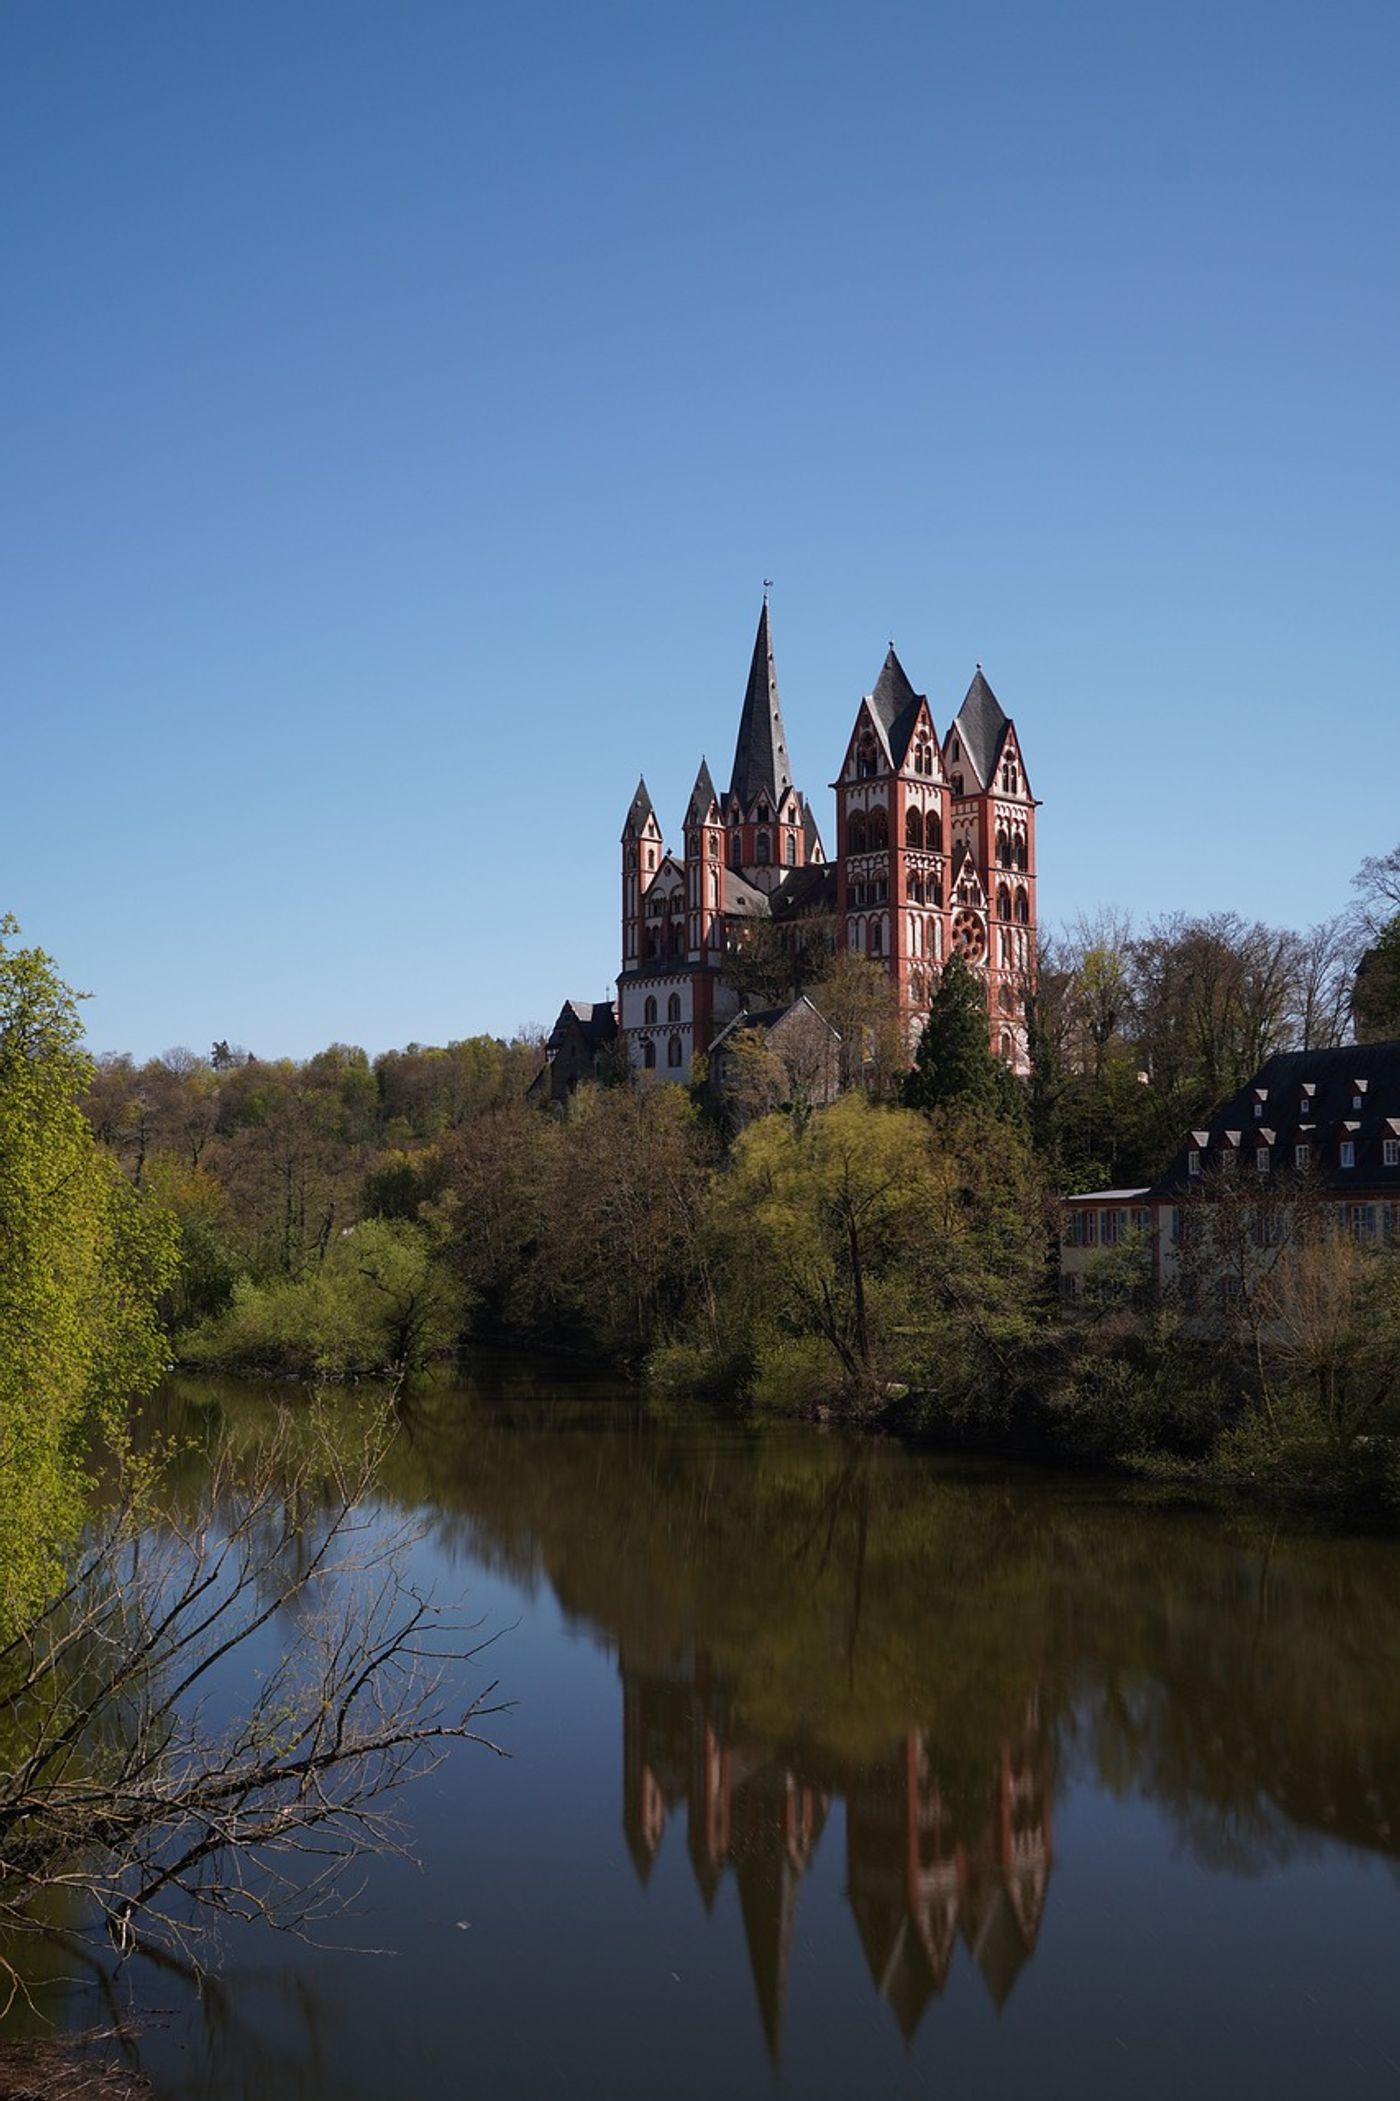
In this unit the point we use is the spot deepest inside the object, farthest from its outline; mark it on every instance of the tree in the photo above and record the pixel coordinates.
(1376, 995)
(83, 1260)
(861, 1002)
(113, 1789)
(954, 1066)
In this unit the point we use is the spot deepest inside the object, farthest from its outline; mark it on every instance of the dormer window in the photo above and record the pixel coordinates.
(1302, 1156)
(1258, 1110)
(1346, 1153)
(1358, 1103)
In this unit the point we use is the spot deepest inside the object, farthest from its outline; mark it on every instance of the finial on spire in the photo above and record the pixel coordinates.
(767, 587)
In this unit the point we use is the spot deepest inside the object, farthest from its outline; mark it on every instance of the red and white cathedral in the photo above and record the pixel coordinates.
(935, 852)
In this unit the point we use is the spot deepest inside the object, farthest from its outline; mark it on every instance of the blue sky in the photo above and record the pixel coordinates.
(404, 404)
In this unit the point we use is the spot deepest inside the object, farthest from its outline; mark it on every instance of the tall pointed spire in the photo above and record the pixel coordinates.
(760, 756)
(983, 721)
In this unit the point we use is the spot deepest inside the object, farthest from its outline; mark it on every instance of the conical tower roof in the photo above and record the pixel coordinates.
(982, 723)
(895, 705)
(701, 796)
(641, 809)
(760, 756)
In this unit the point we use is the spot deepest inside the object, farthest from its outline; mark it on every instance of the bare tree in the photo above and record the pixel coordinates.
(117, 1795)
(1377, 882)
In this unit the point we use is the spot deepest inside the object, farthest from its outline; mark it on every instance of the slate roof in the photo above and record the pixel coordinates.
(982, 722)
(813, 838)
(741, 898)
(1280, 1088)
(641, 809)
(760, 756)
(804, 890)
(895, 706)
(701, 795)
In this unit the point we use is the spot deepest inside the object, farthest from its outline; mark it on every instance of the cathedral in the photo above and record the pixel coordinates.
(935, 853)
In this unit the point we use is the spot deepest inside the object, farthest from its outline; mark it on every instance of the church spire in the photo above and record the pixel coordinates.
(760, 756)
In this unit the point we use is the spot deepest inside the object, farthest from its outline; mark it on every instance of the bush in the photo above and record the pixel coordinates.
(380, 1301)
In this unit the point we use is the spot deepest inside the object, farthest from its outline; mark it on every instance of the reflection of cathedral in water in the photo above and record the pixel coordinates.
(921, 1866)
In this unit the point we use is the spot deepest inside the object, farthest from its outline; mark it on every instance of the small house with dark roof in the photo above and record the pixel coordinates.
(935, 853)
(801, 1055)
(575, 1050)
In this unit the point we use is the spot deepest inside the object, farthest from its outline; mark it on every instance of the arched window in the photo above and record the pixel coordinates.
(734, 849)
(1023, 909)
(914, 828)
(933, 832)
(649, 1010)
(879, 827)
(673, 1051)
(916, 889)
(762, 852)
(649, 1056)
(1006, 1046)
(935, 891)
(855, 832)
(673, 1007)
(1003, 902)
(1019, 845)
(865, 759)
(877, 937)
(792, 849)
(1003, 850)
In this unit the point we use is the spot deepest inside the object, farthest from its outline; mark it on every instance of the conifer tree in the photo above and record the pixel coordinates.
(954, 1066)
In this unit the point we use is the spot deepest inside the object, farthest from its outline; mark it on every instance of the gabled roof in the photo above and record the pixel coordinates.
(982, 722)
(811, 836)
(895, 706)
(594, 1020)
(701, 796)
(760, 756)
(641, 809)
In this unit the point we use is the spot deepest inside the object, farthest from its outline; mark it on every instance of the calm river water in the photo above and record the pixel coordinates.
(840, 1770)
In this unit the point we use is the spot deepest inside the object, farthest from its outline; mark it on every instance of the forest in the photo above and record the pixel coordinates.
(890, 1254)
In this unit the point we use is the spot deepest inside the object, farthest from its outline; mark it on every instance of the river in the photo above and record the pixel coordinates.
(839, 1769)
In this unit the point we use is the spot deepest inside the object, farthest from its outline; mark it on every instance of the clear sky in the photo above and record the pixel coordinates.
(404, 403)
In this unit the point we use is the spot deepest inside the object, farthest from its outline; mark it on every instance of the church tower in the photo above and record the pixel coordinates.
(763, 812)
(993, 860)
(891, 825)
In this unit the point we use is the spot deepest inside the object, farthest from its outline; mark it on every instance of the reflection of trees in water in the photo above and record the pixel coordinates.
(852, 1599)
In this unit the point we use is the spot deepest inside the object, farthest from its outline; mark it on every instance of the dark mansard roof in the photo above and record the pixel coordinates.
(895, 706)
(1327, 1081)
(982, 723)
(760, 756)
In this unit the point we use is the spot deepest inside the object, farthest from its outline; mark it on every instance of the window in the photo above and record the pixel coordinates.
(1390, 1152)
(673, 1051)
(914, 828)
(763, 851)
(1229, 1161)
(935, 891)
(1302, 1155)
(879, 828)
(1112, 1227)
(933, 832)
(1261, 1159)
(1003, 850)
(1363, 1223)
(855, 832)
(1142, 1219)
(877, 938)
(1003, 902)
(1347, 1153)
(649, 1010)
(792, 849)
(1023, 909)
(1357, 1103)
(1258, 1110)
(1193, 1161)
(1091, 1229)
(649, 1056)
(957, 784)
(673, 1007)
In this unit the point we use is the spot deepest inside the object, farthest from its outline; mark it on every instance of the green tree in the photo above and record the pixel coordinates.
(83, 1259)
(954, 1066)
